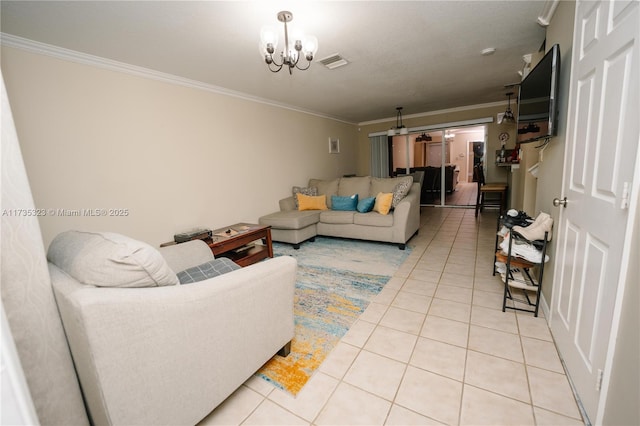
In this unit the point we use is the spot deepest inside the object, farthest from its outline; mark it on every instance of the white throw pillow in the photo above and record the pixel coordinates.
(107, 259)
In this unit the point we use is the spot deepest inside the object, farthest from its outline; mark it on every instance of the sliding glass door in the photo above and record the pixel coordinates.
(447, 158)
(465, 148)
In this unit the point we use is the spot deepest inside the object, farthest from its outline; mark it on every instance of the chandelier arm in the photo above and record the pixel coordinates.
(305, 68)
(294, 63)
(277, 69)
(273, 60)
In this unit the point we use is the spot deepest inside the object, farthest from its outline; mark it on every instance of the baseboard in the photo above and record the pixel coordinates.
(545, 309)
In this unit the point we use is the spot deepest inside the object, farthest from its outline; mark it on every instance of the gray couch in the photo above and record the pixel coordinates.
(294, 226)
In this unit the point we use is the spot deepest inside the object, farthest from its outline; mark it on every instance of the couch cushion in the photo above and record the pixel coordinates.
(373, 219)
(383, 202)
(308, 202)
(207, 270)
(313, 191)
(291, 219)
(106, 259)
(366, 205)
(344, 203)
(326, 187)
(354, 185)
(336, 216)
(386, 184)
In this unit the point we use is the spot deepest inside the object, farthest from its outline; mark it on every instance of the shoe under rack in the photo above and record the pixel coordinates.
(521, 276)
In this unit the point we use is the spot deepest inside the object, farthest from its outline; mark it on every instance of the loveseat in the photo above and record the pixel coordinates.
(160, 355)
(397, 225)
(165, 352)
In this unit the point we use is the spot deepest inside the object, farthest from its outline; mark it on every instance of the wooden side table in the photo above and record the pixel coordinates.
(235, 243)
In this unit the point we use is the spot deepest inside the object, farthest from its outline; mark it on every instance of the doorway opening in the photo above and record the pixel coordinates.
(447, 157)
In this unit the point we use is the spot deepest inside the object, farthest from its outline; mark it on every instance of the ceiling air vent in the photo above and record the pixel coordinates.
(333, 61)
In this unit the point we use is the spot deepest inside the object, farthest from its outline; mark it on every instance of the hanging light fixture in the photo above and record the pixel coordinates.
(301, 45)
(508, 114)
(399, 129)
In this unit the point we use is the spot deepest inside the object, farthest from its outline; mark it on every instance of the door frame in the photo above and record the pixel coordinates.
(625, 276)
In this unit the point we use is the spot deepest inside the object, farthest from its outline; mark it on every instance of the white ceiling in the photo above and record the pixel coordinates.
(422, 55)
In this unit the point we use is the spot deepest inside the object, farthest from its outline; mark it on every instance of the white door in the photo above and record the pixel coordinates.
(600, 156)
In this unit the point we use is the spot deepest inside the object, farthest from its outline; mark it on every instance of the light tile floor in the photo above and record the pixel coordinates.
(434, 347)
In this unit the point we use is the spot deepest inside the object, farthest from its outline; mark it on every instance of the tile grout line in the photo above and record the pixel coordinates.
(406, 365)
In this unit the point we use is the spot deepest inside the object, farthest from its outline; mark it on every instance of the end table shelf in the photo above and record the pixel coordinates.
(247, 257)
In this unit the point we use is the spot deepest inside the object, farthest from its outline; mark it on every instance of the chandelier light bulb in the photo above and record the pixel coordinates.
(296, 34)
(268, 35)
(310, 46)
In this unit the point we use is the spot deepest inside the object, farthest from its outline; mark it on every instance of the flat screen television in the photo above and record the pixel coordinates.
(538, 99)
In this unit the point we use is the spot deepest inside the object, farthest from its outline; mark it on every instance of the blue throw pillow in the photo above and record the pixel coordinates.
(366, 204)
(344, 203)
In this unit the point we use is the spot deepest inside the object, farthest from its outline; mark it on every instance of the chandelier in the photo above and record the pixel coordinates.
(399, 129)
(301, 45)
(508, 114)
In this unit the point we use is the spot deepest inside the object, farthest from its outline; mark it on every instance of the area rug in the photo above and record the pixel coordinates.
(337, 278)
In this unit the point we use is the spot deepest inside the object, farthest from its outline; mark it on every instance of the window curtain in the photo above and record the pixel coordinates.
(379, 156)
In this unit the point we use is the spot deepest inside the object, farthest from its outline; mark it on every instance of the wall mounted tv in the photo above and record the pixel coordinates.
(538, 99)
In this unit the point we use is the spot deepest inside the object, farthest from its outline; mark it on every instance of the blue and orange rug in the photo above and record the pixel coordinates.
(336, 281)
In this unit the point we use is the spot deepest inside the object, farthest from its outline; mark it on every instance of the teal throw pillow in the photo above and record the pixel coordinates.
(344, 203)
(366, 204)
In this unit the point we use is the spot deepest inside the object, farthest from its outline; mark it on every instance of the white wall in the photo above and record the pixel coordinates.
(551, 166)
(175, 157)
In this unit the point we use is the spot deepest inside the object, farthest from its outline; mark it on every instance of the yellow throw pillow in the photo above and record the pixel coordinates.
(310, 202)
(383, 202)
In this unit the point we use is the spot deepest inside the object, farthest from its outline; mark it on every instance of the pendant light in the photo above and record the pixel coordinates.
(399, 129)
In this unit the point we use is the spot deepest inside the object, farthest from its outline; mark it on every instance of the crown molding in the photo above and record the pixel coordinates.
(37, 47)
(438, 112)
(548, 10)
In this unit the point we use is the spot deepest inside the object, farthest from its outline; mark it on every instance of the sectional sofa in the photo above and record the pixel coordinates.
(294, 225)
